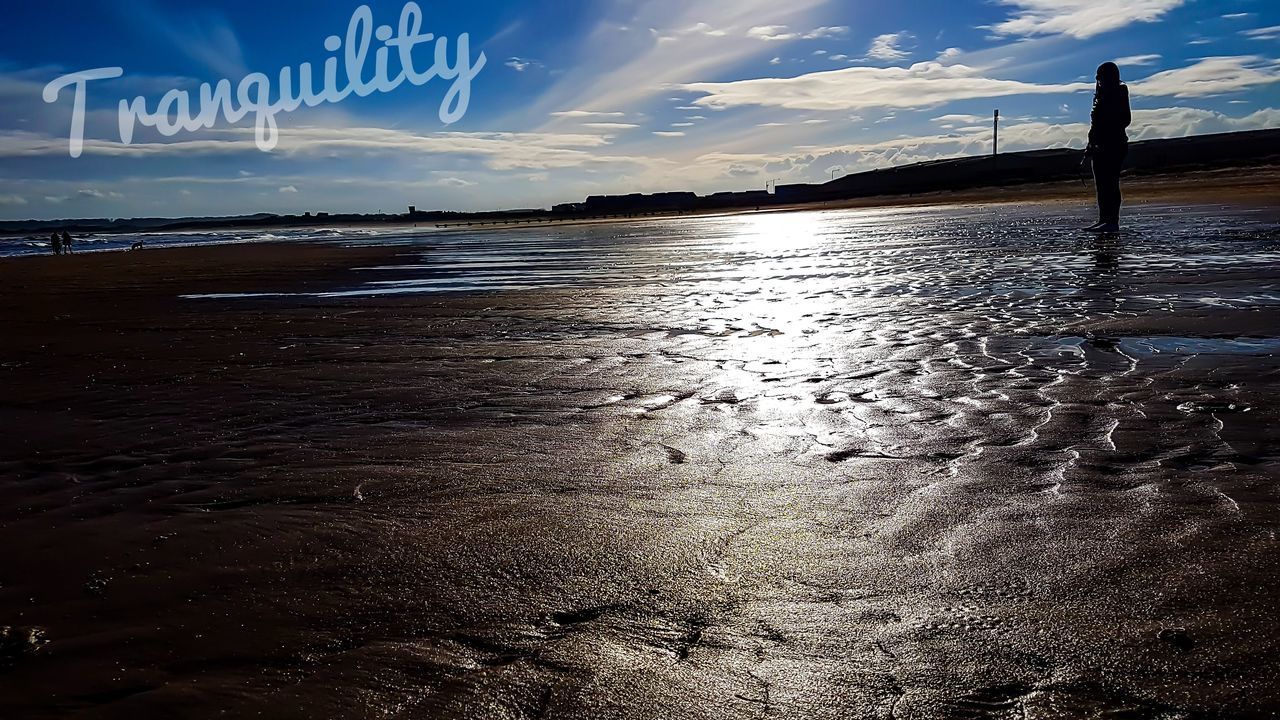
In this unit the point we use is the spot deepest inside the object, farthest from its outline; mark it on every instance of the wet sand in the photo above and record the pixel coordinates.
(816, 465)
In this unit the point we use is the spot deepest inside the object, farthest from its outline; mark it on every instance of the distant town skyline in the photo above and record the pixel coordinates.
(579, 98)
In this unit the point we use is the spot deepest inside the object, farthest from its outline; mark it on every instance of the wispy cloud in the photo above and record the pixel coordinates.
(888, 47)
(1151, 59)
(783, 33)
(1079, 18)
(921, 85)
(772, 33)
(203, 35)
(498, 150)
(1263, 33)
(627, 69)
(1211, 76)
(520, 64)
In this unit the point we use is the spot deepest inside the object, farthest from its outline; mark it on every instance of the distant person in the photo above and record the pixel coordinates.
(55, 242)
(66, 241)
(1108, 144)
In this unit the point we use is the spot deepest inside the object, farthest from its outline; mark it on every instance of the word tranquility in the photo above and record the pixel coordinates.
(253, 96)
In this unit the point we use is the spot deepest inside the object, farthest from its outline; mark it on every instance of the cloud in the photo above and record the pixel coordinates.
(586, 114)
(453, 182)
(780, 33)
(1138, 60)
(1264, 33)
(954, 119)
(288, 189)
(888, 47)
(94, 194)
(202, 35)
(700, 28)
(921, 85)
(12, 200)
(521, 64)
(1079, 18)
(610, 126)
(826, 32)
(663, 133)
(1210, 76)
(498, 150)
(772, 33)
(627, 69)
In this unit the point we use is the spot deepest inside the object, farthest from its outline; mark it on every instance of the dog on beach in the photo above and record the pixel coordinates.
(136, 246)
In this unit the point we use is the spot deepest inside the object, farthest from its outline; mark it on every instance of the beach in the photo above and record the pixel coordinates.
(927, 462)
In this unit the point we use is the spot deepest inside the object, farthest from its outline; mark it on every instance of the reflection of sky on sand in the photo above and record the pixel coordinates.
(999, 257)
(910, 463)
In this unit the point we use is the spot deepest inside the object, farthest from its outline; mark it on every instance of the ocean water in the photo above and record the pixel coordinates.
(104, 242)
(994, 254)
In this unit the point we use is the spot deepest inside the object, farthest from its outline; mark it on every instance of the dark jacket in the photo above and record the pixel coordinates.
(1110, 117)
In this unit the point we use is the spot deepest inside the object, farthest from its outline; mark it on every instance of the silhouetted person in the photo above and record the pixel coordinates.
(1108, 144)
(55, 242)
(66, 241)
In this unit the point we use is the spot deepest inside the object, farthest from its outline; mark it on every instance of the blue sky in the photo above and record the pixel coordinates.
(580, 97)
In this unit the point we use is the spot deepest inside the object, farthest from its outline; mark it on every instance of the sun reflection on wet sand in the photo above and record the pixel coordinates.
(907, 463)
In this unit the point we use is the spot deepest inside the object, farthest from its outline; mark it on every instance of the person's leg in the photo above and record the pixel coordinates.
(1106, 175)
(1099, 185)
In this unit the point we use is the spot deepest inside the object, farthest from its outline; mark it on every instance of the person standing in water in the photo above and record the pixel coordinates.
(55, 243)
(1108, 144)
(66, 241)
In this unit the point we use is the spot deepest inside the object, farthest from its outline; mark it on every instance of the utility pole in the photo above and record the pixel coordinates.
(995, 136)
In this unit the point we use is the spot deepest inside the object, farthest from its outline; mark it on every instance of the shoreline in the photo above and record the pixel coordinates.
(1235, 186)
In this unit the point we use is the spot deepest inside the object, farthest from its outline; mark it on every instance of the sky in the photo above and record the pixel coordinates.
(582, 97)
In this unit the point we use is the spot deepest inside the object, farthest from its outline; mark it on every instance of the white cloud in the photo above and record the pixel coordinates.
(772, 33)
(610, 126)
(663, 133)
(889, 46)
(1211, 76)
(453, 182)
(779, 33)
(826, 32)
(288, 189)
(1079, 18)
(586, 114)
(700, 28)
(95, 194)
(959, 119)
(922, 85)
(521, 64)
(776, 61)
(1264, 33)
(12, 200)
(1138, 60)
(629, 69)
